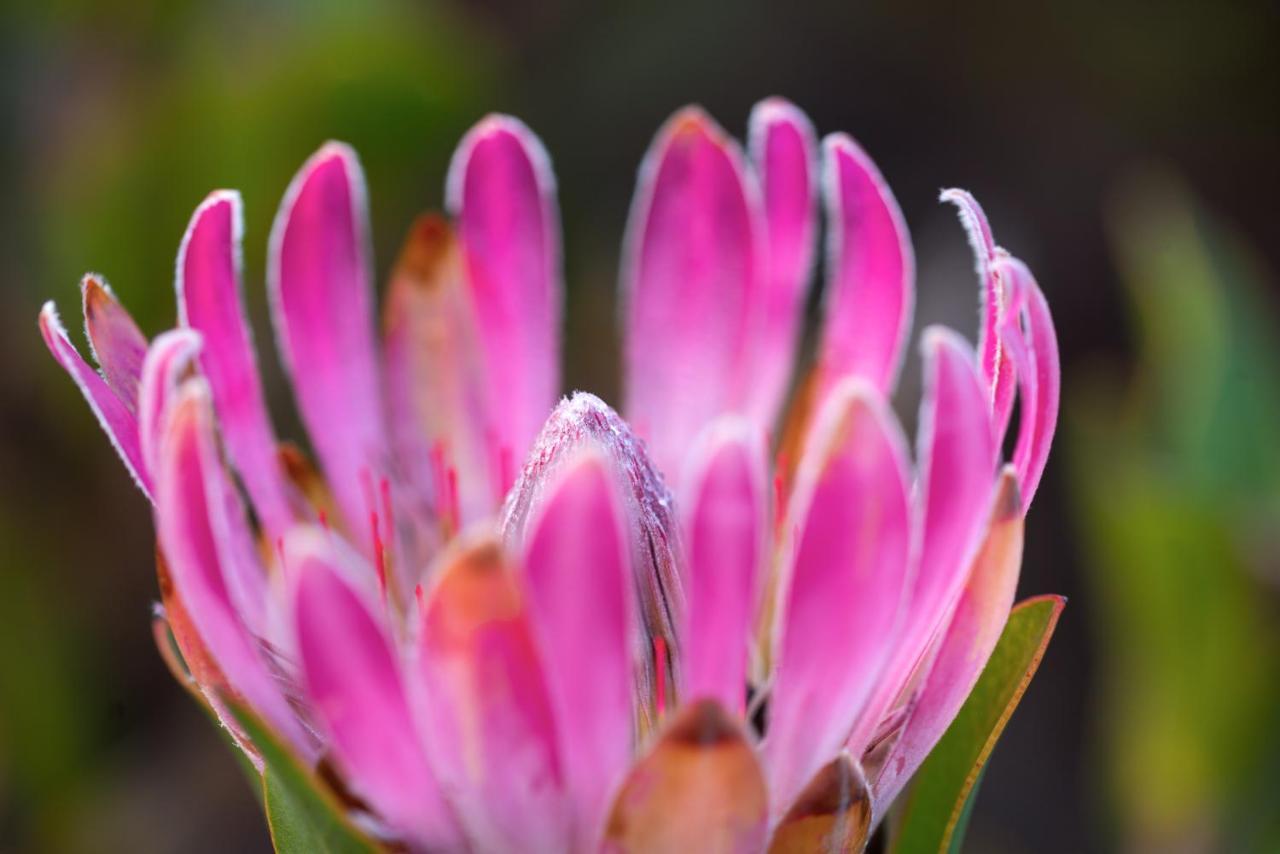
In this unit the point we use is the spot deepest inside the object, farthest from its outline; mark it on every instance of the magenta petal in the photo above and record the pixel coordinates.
(318, 275)
(187, 492)
(579, 584)
(167, 363)
(784, 150)
(210, 301)
(870, 271)
(117, 344)
(725, 530)
(502, 191)
(691, 285)
(116, 418)
(844, 592)
(354, 681)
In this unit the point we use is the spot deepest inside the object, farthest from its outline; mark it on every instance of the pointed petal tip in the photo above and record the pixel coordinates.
(497, 127)
(937, 339)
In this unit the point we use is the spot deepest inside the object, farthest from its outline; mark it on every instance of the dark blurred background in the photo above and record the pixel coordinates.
(1125, 149)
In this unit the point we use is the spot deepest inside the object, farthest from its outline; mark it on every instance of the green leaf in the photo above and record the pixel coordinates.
(936, 809)
(301, 812)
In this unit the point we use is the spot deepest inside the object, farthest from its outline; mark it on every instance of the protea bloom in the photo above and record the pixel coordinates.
(762, 659)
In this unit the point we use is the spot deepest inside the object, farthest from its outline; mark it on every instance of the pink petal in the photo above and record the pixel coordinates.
(957, 456)
(580, 589)
(117, 344)
(353, 678)
(963, 650)
(187, 501)
(502, 191)
(168, 361)
(725, 528)
(844, 592)
(691, 285)
(870, 271)
(114, 416)
(784, 150)
(211, 301)
(318, 276)
(484, 706)
(995, 372)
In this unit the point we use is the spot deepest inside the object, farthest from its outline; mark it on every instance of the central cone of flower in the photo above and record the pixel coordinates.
(483, 615)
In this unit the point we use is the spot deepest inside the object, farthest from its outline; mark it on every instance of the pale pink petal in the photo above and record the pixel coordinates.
(579, 584)
(784, 151)
(187, 460)
(725, 531)
(318, 276)
(115, 417)
(957, 464)
(168, 361)
(691, 285)
(354, 681)
(966, 645)
(484, 706)
(844, 591)
(115, 340)
(502, 191)
(870, 271)
(211, 301)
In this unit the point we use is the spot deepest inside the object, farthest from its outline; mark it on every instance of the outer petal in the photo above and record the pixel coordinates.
(964, 649)
(502, 191)
(117, 344)
(784, 150)
(957, 453)
(699, 789)
(871, 271)
(844, 593)
(318, 276)
(579, 583)
(485, 710)
(354, 682)
(832, 814)
(168, 361)
(725, 529)
(210, 300)
(691, 285)
(115, 417)
(187, 494)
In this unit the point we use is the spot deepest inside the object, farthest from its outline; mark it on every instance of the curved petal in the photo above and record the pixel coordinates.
(578, 578)
(784, 151)
(354, 681)
(168, 361)
(870, 271)
(725, 531)
(502, 191)
(318, 280)
(484, 707)
(844, 593)
(114, 416)
(211, 301)
(117, 344)
(832, 814)
(691, 285)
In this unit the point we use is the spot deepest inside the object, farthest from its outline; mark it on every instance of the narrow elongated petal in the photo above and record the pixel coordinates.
(832, 814)
(963, 650)
(691, 285)
(187, 462)
(117, 344)
(502, 192)
(843, 595)
(870, 271)
(957, 456)
(318, 276)
(168, 361)
(354, 680)
(699, 789)
(484, 707)
(725, 526)
(784, 150)
(579, 583)
(211, 301)
(114, 416)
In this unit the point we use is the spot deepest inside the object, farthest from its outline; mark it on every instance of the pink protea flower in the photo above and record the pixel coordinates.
(761, 661)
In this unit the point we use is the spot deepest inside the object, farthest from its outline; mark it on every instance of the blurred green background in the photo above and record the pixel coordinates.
(1126, 149)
